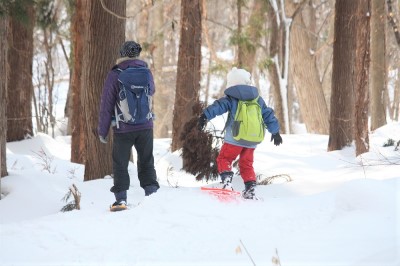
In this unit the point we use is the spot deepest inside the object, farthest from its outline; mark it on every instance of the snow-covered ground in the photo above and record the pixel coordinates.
(337, 210)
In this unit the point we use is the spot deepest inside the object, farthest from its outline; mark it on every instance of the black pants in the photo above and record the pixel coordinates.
(143, 142)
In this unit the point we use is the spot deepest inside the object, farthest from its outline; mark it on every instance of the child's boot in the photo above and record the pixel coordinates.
(226, 178)
(249, 190)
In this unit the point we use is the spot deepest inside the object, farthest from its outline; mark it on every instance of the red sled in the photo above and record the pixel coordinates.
(224, 195)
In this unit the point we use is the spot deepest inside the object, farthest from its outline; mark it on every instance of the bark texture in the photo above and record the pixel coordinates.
(104, 36)
(188, 74)
(3, 94)
(362, 73)
(343, 71)
(378, 64)
(276, 45)
(20, 87)
(306, 79)
(76, 118)
(162, 123)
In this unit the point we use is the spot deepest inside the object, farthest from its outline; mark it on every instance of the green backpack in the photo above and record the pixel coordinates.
(248, 126)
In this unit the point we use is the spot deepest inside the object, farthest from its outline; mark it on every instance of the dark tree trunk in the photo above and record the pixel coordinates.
(275, 47)
(188, 74)
(76, 118)
(20, 87)
(3, 94)
(105, 34)
(362, 73)
(343, 71)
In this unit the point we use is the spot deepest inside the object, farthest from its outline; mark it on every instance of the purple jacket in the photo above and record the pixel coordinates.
(109, 99)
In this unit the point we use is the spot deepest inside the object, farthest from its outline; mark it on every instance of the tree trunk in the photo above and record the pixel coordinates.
(254, 30)
(4, 68)
(170, 62)
(69, 103)
(343, 70)
(239, 4)
(188, 74)
(392, 59)
(362, 63)
(276, 69)
(76, 119)
(143, 24)
(277, 96)
(378, 64)
(303, 66)
(161, 98)
(49, 75)
(395, 110)
(104, 36)
(20, 87)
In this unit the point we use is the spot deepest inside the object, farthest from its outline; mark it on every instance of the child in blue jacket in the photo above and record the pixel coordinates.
(239, 88)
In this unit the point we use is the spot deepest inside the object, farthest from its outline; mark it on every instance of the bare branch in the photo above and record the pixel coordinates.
(123, 17)
(248, 254)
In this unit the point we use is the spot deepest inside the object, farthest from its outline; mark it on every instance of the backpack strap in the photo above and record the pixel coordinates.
(116, 116)
(229, 115)
(119, 70)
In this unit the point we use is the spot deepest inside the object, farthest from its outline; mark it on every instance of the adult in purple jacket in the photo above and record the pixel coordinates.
(127, 135)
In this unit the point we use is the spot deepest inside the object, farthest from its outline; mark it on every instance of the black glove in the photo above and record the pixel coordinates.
(202, 121)
(277, 139)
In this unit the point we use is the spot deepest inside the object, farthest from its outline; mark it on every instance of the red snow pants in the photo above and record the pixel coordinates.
(229, 153)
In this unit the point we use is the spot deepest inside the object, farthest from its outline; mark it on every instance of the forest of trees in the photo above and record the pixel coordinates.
(330, 65)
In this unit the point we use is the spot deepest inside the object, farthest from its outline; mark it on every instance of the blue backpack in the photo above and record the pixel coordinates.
(134, 102)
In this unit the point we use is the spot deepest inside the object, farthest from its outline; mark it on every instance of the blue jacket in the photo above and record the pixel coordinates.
(229, 103)
(109, 99)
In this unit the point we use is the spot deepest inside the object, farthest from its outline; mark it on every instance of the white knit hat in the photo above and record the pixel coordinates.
(238, 76)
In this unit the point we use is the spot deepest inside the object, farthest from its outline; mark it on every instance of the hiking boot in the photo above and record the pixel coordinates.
(249, 190)
(226, 180)
(120, 196)
(118, 206)
(150, 189)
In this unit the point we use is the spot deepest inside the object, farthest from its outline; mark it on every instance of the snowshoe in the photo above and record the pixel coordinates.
(118, 206)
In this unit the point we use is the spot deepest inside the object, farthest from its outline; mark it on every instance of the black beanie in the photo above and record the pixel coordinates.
(130, 49)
